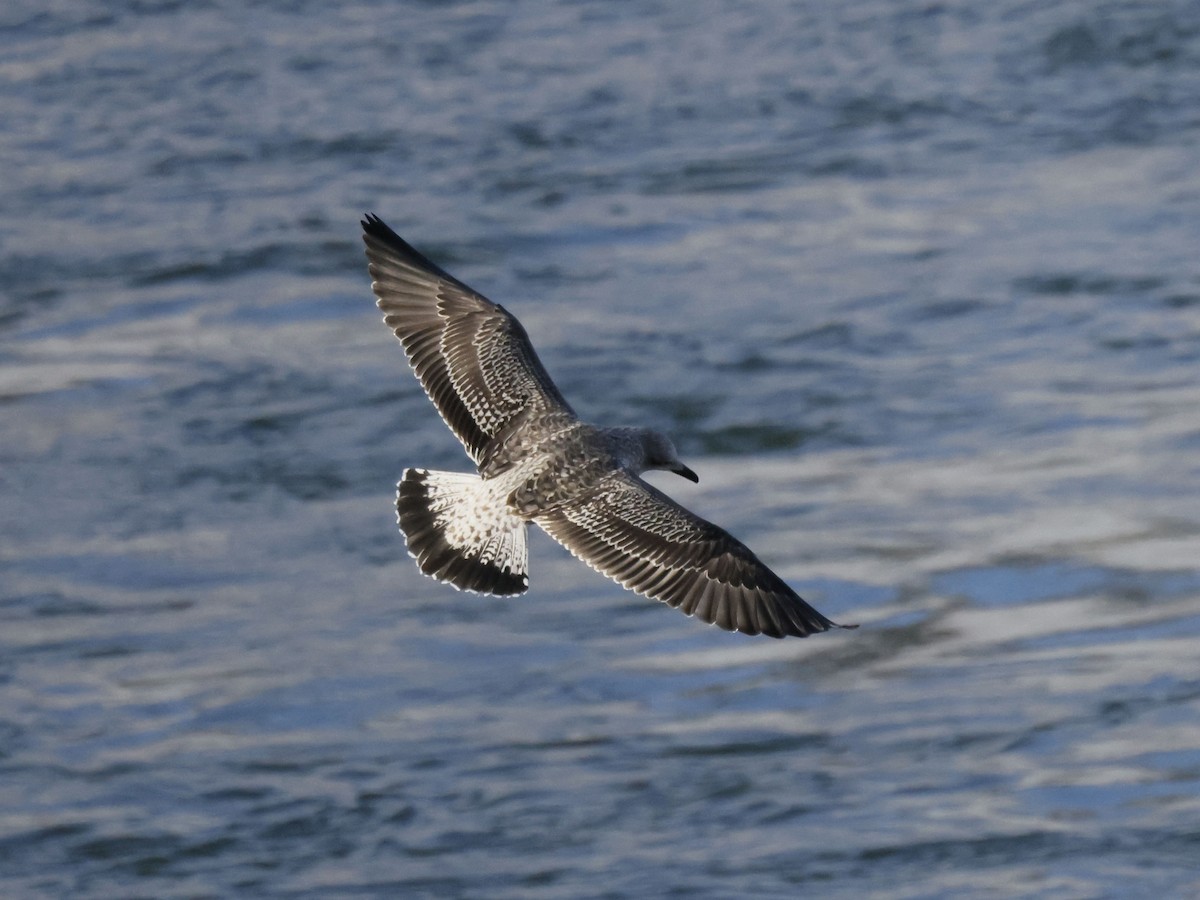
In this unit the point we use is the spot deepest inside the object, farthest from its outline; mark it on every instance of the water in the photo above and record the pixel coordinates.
(914, 286)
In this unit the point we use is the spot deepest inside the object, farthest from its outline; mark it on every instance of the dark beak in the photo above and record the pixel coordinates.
(687, 473)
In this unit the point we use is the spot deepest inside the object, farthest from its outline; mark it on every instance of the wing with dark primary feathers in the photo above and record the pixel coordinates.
(641, 538)
(472, 357)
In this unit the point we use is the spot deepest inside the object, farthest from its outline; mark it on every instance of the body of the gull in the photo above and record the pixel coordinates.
(536, 461)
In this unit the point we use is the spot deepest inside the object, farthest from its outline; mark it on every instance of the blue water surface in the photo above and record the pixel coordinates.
(915, 288)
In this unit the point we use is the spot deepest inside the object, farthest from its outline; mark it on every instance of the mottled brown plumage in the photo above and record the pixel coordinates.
(538, 462)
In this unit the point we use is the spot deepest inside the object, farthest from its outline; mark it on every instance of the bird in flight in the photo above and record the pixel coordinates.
(538, 462)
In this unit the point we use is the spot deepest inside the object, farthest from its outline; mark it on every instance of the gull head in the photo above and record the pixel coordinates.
(654, 450)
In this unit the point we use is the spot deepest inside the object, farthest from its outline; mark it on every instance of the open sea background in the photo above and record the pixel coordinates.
(914, 285)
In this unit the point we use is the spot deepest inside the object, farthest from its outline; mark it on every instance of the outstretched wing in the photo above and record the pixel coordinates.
(641, 538)
(472, 357)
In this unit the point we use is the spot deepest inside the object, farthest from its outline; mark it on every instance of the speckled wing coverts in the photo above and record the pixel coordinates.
(472, 357)
(644, 540)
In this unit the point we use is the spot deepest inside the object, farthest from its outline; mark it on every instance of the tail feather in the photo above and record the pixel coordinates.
(462, 534)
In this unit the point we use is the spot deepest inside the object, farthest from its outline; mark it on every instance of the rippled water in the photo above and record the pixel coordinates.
(914, 285)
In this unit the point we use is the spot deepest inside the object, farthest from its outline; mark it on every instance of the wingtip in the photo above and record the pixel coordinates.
(372, 224)
(381, 239)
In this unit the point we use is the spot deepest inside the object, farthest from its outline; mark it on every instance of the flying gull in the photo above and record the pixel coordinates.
(537, 462)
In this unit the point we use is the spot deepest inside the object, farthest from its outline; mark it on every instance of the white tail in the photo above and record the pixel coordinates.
(460, 530)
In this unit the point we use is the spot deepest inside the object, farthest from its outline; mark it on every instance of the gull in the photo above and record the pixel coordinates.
(536, 461)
